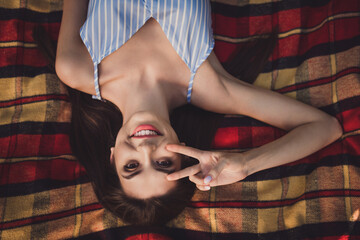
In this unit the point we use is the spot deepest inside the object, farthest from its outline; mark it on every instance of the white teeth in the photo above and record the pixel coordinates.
(145, 133)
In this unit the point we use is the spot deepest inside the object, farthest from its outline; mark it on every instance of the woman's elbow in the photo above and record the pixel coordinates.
(63, 69)
(66, 71)
(335, 128)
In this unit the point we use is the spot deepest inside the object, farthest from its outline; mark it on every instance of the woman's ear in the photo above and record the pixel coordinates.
(112, 158)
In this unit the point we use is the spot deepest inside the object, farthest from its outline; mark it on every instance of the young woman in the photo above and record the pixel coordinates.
(145, 59)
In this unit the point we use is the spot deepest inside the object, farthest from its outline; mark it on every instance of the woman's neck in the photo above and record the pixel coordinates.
(145, 100)
(146, 94)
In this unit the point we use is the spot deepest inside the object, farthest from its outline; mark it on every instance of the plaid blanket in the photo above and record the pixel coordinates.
(44, 192)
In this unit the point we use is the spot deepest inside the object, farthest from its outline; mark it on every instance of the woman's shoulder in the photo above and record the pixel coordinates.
(75, 72)
(73, 63)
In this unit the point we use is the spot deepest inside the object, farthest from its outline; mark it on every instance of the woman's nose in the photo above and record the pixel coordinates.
(146, 146)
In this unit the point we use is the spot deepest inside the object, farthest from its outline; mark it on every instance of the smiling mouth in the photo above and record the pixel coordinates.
(145, 131)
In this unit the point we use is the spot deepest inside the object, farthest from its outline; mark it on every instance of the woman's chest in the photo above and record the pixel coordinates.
(150, 49)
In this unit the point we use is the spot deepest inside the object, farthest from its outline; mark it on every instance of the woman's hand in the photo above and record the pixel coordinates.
(213, 169)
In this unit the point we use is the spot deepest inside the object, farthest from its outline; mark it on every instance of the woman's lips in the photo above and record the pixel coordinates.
(146, 127)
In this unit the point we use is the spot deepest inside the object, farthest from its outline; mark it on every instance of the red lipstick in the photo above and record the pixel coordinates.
(146, 127)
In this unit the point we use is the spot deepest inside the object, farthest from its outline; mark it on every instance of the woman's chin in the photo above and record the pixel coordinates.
(155, 122)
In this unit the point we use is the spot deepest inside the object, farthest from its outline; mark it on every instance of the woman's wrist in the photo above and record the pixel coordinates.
(240, 164)
(247, 161)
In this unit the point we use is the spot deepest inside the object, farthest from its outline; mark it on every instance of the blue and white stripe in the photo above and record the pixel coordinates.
(186, 24)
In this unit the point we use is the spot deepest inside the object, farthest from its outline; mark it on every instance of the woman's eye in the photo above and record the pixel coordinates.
(131, 166)
(164, 163)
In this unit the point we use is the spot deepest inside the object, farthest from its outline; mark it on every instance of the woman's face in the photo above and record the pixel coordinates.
(140, 157)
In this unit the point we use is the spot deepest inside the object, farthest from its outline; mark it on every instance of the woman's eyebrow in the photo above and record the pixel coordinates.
(168, 171)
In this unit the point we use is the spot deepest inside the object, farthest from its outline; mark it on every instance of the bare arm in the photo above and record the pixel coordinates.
(309, 128)
(216, 90)
(73, 62)
(222, 168)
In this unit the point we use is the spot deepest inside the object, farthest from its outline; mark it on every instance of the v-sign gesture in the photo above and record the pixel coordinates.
(213, 169)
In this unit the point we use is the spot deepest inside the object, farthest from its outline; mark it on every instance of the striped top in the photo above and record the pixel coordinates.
(186, 24)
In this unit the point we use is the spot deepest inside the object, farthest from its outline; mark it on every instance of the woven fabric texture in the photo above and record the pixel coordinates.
(44, 192)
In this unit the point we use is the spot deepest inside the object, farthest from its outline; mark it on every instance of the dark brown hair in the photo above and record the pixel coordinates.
(95, 125)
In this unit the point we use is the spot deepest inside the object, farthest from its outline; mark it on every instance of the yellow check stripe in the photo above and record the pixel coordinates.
(78, 217)
(17, 44)
(24, 159)
(353, 133)
(20, 233)
(241, 3)
(212, 211)
(33, 5)
(30, 86)
(20, 207)
(313, 29)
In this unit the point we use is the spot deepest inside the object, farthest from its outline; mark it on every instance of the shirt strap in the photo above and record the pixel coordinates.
(188, 98)
(96, 83)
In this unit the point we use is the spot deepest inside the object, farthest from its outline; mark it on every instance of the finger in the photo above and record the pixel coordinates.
(203, 187)
(214, 173)
(188, 151)
(186, 172)
(198, 180)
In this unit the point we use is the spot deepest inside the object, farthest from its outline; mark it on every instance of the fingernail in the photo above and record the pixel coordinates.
(207, 187)
(207, 179)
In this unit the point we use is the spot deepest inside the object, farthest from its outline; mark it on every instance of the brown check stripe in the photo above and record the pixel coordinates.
(44, 192)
